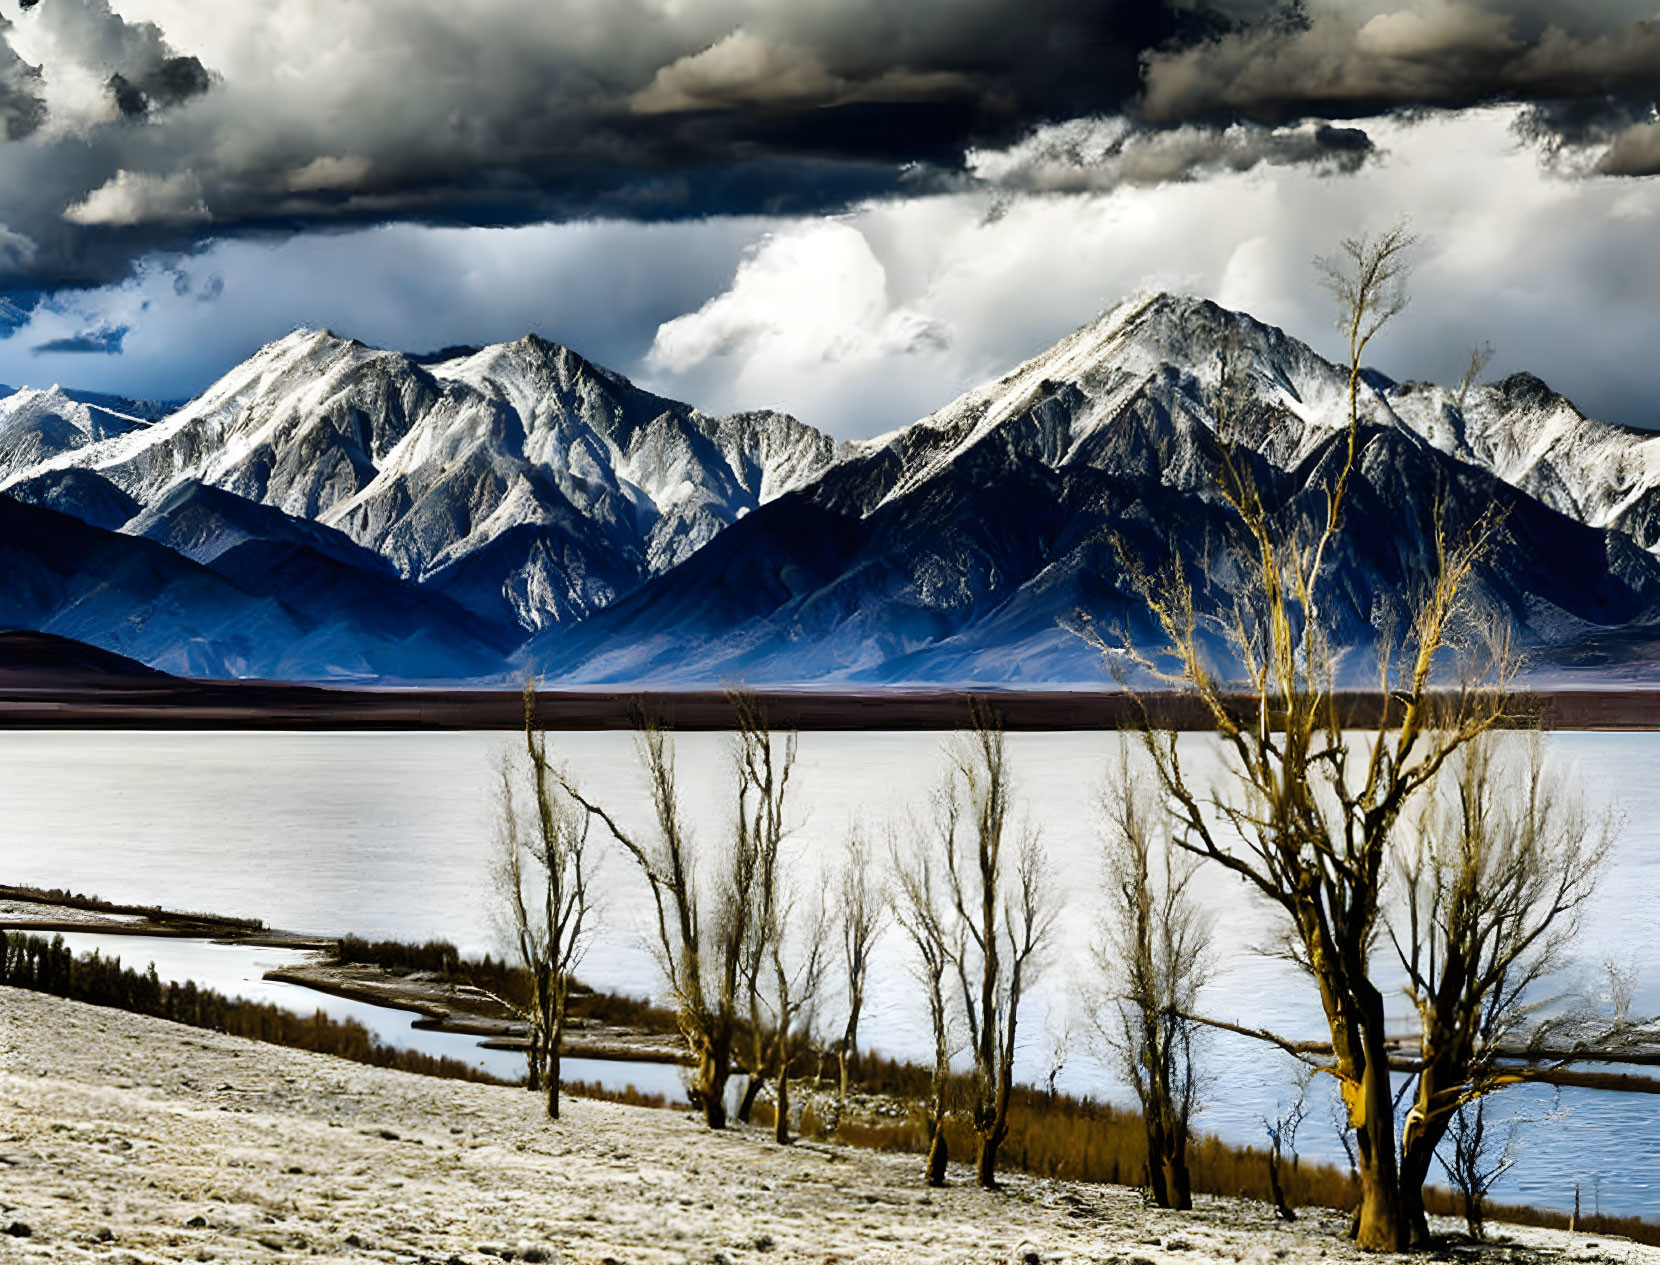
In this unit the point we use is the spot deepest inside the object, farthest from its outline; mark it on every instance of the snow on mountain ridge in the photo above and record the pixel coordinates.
(1535, 439)
(434, 464)
(534, 488)
(961, 548)
(1159, 351)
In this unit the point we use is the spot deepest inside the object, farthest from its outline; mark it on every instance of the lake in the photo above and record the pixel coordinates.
(391, 835)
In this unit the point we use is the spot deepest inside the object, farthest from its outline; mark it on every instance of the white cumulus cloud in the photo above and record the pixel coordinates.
(129, 198)
(815, 293)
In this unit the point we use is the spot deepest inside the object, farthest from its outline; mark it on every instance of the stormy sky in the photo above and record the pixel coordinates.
(848, 209)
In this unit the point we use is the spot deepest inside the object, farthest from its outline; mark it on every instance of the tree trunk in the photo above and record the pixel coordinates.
(709, 1091)
(1475, 1218)
(713, 1103)
(752, 1091)
(986, 1173)
(1157, 1177)
(1382, 1223)
(754, 1068)
(1417, 1155)
(1282, 1209)
(842, 1058)
(553, 1082)
(1177, 1182)
(781, 1127)
(937, 1156)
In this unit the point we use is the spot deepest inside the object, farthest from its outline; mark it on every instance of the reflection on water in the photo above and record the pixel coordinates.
(389, 835)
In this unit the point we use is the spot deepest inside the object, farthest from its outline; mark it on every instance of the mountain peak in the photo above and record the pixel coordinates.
(528, 487)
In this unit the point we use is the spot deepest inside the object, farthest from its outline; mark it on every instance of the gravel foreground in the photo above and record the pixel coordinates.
(128, 1140)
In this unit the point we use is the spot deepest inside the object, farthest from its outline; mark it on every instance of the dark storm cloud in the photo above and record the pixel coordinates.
(1623, 136)
(21, 107)
(1583, 65)
(1098, 155)
(171, 81)
(95, 342)
(1635, 151)
(155, 125)
(244, 116)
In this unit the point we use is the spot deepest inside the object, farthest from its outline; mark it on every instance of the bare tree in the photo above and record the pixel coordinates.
(1481, 356)
(798, 954)
(1282, 1143)
(1313, 807)
(701, 928)
(1503, 864)
(1368, 279)
(862, 904)
(1060, 1049)
(1481, 1154)
(541, 877)
(1003, 909)
(922, 914)
(762, 765)
(717, 917)
(1154, 958)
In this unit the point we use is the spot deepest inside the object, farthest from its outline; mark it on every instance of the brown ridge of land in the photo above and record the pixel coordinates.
(34, 910)
(174, 703)
(439, 1003)
(446, 1006)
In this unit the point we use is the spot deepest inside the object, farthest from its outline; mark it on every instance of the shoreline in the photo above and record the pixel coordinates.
(445, 1005)
(442, 1005)
(36, 911)
(178, 704)
(453, 1008)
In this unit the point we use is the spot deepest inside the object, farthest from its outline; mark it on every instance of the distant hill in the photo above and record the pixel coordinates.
(49, 658)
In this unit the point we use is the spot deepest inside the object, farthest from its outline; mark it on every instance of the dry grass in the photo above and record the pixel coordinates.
(1084, 1140)
(627, 1095)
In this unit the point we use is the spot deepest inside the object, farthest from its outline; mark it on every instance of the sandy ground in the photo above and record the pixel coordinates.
(29, 915)
(125, 1140)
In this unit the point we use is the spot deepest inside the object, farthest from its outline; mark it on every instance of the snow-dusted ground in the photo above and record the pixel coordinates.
(128, 1140)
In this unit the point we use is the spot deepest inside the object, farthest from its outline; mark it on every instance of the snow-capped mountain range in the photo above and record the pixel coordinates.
(331, 510)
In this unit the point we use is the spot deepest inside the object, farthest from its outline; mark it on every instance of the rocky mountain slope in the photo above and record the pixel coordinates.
(283, 615)
(964, 547)
(461, 502)
(520, 480)
(1536, 440)
(485, 496)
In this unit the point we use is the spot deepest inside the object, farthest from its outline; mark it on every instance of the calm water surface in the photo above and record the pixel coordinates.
(391, 835)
